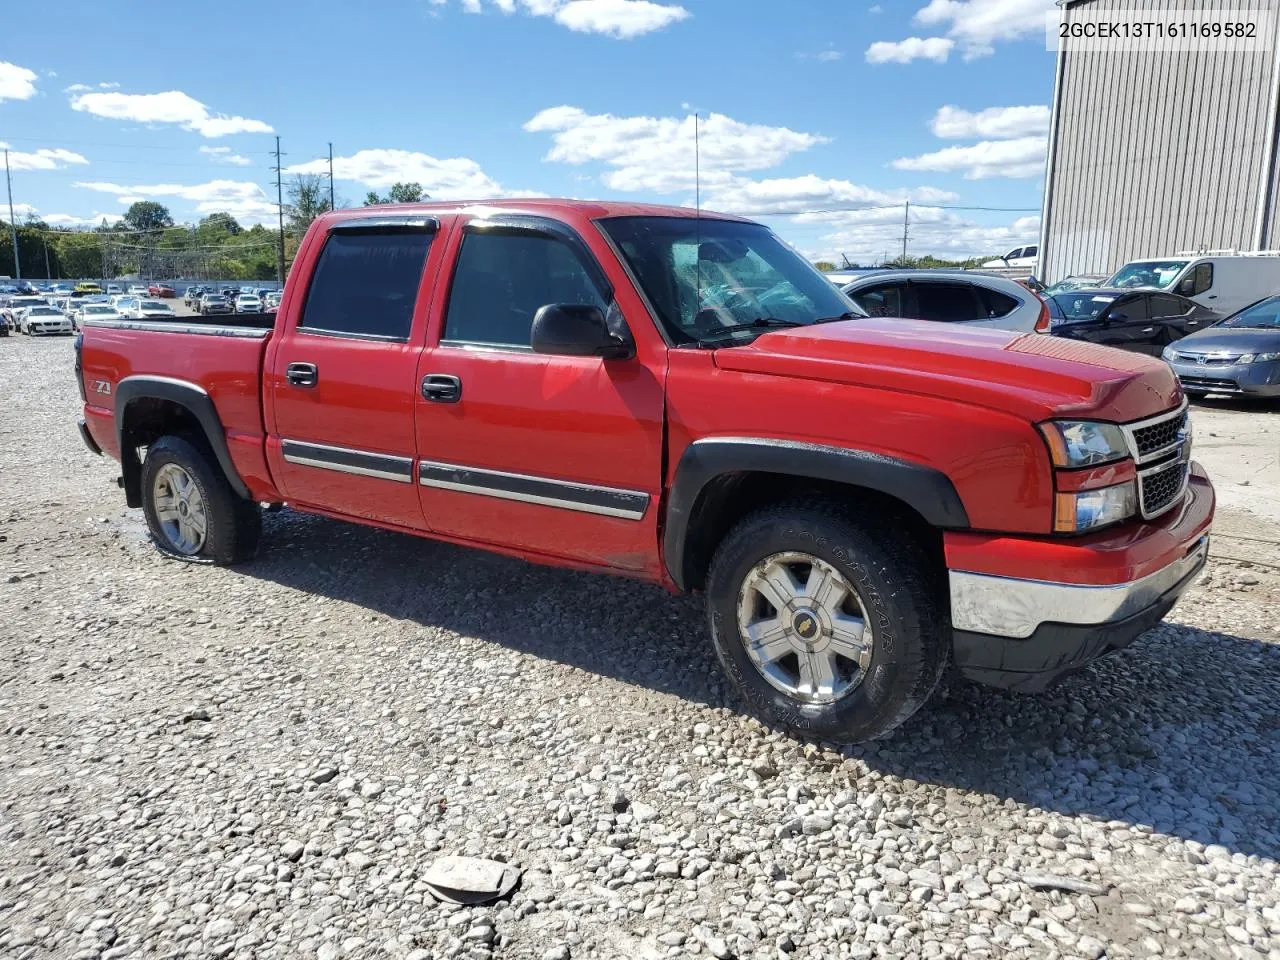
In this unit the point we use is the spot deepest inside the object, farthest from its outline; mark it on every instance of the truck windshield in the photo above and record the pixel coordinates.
(1153, 274)
(723, 281)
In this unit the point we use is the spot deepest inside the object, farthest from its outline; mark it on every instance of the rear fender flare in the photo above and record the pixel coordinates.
(185, 394)
(926, 490)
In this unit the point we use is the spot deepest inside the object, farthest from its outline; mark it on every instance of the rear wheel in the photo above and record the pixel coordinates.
(191, 510)
(827, 624)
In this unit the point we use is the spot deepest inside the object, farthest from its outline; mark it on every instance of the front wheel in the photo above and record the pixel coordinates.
(828, 625)
(191, 510)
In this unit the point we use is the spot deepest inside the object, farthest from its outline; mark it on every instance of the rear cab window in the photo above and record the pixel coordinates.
(365, 282)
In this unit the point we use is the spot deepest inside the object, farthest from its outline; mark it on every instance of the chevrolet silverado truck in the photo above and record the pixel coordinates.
(680, 398)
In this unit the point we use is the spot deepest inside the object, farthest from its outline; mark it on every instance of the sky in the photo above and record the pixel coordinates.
(819, 117)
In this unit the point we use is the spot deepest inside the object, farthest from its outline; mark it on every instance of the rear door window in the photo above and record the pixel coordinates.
(365, 284)
(1165, 305)
(994, 303)
(882, 299)
(946, 302)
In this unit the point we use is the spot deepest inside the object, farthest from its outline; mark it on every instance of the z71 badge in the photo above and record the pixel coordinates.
(102, 386)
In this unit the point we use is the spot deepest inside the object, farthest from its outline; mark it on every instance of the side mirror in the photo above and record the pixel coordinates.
(1187, 287)
(573, 330)
(1115, 317)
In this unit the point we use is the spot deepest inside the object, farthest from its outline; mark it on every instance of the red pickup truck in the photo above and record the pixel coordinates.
(640, 390)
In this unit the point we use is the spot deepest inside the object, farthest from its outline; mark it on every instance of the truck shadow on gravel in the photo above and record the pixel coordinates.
(1180, 733)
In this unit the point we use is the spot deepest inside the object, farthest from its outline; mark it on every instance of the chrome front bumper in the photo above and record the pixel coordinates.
(1009, 607)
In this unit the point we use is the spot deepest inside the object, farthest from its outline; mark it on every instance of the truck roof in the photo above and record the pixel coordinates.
(545, 206)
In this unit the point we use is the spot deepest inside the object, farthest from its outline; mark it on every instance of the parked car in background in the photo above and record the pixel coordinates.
(95, 311)
(1027, 256)
(248, 303)
(1080, 281)
(114, 289)
(212, 303)
(17, 305)
(950, 296)
(1145, 321)
(44, 319)
(1239, 355)
(1224, 283)
(152, 310)
(192, 296)
(137, 290)
(88, 287)
(161, 290)
(861, 502)
(272, 300)
(61, 289)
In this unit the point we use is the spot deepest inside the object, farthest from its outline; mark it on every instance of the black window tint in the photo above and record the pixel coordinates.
(366, 283)
(501, 281)
(1202, 278)
(881, 300)
(1030, 251)
(994, 303)
(1136, 308)
(1169, 306)
(946, 302)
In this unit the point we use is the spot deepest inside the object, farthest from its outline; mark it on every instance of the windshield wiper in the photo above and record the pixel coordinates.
(759, 323)
(847, 315)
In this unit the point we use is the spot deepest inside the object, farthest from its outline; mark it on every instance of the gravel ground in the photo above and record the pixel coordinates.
(261, 762)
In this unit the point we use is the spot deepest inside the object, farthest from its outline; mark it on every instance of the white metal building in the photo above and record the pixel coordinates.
(1151, 153)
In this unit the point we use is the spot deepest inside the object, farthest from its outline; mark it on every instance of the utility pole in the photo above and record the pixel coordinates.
(48, 274)
(906, 214)
(13, 224)
(332, 205)
(280, 216)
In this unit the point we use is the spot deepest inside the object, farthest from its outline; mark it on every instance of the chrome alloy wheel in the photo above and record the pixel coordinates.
(804, 627)
(180, 509)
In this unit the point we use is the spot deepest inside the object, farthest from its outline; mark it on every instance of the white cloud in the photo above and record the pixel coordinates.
(172, 106)
(997, 123)
(454, 178)
(43, 159)
(810, 192)
(71, 220)
(1020, 157)
(867, 236)
(225, 155)
(657, 153)
(16, 83)
(912, 48)
(978, 24)
(621, 19)
(876, 9)
(108, 86)
(822, 56)
(76, 88)
(244, 200)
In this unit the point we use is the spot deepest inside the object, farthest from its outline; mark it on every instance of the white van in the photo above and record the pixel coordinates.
(1223, 282)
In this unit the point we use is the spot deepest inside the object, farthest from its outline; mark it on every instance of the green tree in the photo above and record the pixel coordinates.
(308, 198)
(147, 216)
(399, 193)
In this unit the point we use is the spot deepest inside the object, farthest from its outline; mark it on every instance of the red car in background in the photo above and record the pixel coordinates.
(161, 290)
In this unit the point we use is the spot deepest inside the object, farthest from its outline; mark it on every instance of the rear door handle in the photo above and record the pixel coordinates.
(302, 374)
(1193, 323)
(441, 388)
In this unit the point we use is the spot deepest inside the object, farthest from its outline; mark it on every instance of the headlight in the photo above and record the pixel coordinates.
(1168, 354)
(1258, 357)
(1086, 509)
(1084, 443)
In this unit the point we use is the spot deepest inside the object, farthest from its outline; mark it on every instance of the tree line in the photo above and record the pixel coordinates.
(148, 241)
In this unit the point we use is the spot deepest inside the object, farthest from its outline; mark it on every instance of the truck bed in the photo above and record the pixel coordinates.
(221, 356)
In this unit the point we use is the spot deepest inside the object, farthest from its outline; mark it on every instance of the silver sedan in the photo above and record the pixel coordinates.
(950, 296)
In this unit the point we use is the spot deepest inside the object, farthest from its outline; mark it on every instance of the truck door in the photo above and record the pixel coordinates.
(551, 455)
(341, 378)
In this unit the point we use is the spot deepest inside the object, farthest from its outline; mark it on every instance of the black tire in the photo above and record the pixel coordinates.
(891, 575)
(233, 524)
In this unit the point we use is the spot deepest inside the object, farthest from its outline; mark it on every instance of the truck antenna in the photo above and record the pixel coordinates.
(697, 216)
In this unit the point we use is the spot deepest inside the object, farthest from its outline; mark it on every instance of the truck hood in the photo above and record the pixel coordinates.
(1029, 375)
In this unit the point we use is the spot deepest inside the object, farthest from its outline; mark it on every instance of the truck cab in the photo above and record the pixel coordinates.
(678, 397)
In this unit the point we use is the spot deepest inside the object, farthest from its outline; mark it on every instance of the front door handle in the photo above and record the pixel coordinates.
(1148, 329)
(302, 374)
(1193, 323)
(441, 388)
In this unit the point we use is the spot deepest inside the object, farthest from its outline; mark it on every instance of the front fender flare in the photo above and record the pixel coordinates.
(926, 490)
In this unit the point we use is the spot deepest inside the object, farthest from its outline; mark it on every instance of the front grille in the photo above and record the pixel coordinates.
(1162, 486)
(1208, 359)
(1212, 384)
(1160, 435)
